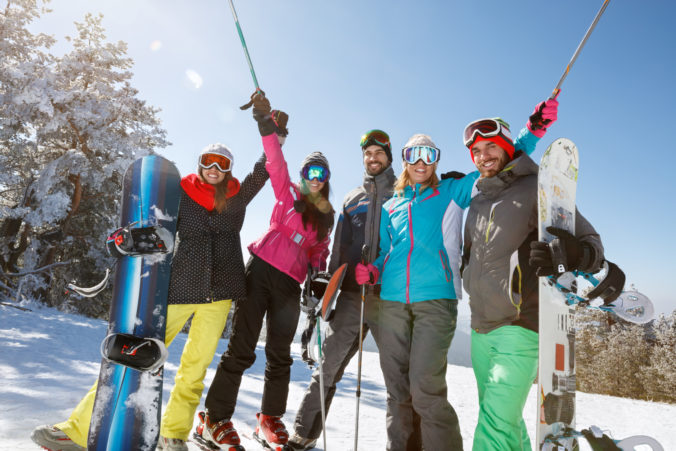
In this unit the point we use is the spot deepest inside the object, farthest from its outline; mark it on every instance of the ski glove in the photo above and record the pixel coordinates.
(564, 253)
(452, 175)
(544, 115)
(366, 274)
(269, 121)
(611, 286)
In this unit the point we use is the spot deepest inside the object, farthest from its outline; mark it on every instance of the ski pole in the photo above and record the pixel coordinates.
(579, 48)
(246, 51)
(364, 260)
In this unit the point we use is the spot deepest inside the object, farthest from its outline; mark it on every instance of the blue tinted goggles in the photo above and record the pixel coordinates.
(428, 155)
(319, 173)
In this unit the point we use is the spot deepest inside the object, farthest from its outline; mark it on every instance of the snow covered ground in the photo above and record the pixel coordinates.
(49, 359)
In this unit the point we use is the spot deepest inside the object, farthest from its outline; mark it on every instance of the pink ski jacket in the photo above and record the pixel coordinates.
(287, 245)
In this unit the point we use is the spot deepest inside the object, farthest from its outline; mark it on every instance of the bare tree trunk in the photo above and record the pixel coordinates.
(48, 256)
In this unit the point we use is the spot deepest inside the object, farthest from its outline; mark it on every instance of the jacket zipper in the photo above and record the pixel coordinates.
(410, 251)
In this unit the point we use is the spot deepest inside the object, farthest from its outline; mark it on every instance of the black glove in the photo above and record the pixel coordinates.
(269, 121)
(452, 175)
(611, 286)
(563, 253)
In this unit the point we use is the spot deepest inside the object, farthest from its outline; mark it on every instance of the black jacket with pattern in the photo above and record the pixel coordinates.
(359, 224)
(501, 222)
(208, 264)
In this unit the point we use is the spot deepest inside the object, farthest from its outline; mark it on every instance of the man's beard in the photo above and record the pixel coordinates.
(378, 171)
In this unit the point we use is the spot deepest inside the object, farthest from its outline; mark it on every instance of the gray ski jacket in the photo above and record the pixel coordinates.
(359, 224)
(501, 223)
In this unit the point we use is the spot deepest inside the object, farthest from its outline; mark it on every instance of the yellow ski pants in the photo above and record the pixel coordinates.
(207, 326)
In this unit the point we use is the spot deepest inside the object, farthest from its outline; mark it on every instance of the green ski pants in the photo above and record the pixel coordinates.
(505, 363)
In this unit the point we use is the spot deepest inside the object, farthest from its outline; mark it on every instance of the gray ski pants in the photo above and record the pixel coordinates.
(340, 345)
(413, 340)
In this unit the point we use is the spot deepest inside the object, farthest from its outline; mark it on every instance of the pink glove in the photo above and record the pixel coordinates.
(366, 274)
(544, 115)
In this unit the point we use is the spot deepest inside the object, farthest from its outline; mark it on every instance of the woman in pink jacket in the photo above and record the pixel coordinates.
(298, 235)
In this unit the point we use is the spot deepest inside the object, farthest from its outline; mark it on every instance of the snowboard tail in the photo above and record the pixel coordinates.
(126, 411)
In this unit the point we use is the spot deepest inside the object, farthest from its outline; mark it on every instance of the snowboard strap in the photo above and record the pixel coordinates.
(598, 440)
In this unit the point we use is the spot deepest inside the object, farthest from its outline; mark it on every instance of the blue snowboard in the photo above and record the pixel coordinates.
(126, 413)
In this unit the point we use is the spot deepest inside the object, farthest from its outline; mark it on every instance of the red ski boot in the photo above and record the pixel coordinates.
(271, 432)
(220, 435)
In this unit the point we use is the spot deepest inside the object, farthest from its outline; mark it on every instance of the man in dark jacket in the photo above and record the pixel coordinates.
(358, 224)
(500, 276)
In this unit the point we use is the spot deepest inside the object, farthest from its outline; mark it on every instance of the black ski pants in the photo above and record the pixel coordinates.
(271, 292)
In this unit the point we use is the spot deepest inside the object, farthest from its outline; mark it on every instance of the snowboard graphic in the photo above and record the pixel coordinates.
(557, 183)
(126, 413)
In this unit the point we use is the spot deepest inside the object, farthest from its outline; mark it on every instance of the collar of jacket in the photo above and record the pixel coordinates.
(520, 166)
(385, 179)
(410, 191)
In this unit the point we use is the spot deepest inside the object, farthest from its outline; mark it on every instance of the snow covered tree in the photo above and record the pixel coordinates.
(591, 343)
(627, 353)
(659, 377)
(69, 127)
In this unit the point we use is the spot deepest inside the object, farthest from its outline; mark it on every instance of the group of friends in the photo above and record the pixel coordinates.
(418, 257)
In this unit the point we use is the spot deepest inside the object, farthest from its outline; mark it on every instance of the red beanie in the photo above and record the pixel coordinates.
(506, 144)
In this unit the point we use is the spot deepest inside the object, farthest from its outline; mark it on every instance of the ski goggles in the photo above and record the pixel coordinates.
(378, 137)
(222, 163)
(319, 173)
(429, 155)
(486, 128)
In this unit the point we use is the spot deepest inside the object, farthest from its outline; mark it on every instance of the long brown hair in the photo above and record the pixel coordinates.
(311, 214)
(404, 180)
(221, 194)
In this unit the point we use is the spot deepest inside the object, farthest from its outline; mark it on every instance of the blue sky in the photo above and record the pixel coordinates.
(342, 68)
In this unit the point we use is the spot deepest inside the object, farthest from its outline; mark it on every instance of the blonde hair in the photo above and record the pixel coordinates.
(404, 180)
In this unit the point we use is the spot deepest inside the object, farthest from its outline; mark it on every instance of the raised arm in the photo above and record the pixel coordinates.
(254, 181)
(272, 127)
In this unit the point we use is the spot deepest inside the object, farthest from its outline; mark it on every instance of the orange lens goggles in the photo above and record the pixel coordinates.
(222, 163)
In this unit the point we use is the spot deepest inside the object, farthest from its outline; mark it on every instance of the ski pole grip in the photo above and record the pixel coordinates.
(364, 254)
(365, 260)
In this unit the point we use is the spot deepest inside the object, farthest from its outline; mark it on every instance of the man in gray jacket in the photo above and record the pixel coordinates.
(502, 260)
(358, 224)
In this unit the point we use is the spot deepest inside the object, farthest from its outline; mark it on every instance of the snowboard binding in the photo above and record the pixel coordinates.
(568, 438)
(138, 353)
(630, 305)
(134, 241)
(313, 291)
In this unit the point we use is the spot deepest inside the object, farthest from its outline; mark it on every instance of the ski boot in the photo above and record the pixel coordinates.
(271, 433)
(298, 443)
(219, 436)
(171, 444)
(52, 438)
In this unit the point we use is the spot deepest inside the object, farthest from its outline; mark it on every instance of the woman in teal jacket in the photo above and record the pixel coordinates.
(418, 267)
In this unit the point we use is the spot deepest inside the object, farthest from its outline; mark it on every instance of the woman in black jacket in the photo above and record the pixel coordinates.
(207, 275)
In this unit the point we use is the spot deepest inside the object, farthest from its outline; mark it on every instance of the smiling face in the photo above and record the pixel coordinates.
(212, 175)
(375, 160)
(420, 172)
(489, 158)
(314, 185)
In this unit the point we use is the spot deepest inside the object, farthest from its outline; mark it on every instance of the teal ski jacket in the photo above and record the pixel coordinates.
(421, 237)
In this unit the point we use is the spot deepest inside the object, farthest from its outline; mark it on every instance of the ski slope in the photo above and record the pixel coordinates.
(49, 359)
